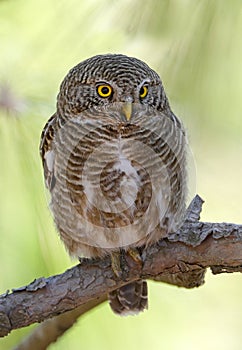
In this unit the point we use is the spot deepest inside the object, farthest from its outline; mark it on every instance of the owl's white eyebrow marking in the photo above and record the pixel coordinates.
(145, 81)
(100, 82)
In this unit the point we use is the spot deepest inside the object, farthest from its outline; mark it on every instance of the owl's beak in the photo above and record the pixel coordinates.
(127, 110)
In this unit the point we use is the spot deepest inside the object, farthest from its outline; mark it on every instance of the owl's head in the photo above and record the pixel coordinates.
(104, 79)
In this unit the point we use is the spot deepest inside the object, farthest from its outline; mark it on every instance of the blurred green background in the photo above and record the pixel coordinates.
(196, 46)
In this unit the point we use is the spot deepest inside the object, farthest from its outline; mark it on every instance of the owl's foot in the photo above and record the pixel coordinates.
(132, 257)
(116, 264)
(135, 255)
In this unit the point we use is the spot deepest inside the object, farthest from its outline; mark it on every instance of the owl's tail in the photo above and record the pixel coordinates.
(129, 299)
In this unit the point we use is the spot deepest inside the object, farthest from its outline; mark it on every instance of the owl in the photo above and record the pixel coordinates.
(114, 160)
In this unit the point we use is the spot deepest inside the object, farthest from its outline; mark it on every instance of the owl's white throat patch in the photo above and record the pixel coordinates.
(130, 182)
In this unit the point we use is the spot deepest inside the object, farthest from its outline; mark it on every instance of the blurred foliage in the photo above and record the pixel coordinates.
(196, 47)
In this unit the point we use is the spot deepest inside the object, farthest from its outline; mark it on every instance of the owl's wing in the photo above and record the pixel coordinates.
(47, 152)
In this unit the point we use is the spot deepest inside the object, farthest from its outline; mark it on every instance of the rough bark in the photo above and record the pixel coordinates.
(181, 259)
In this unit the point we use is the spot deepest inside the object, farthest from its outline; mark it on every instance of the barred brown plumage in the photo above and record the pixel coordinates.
(114, 158)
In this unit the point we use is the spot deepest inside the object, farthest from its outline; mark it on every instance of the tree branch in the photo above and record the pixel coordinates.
(180, 259)
(50, 330)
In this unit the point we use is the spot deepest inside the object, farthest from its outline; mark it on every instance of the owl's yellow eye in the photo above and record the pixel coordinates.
(143, 91)
(104, 90)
